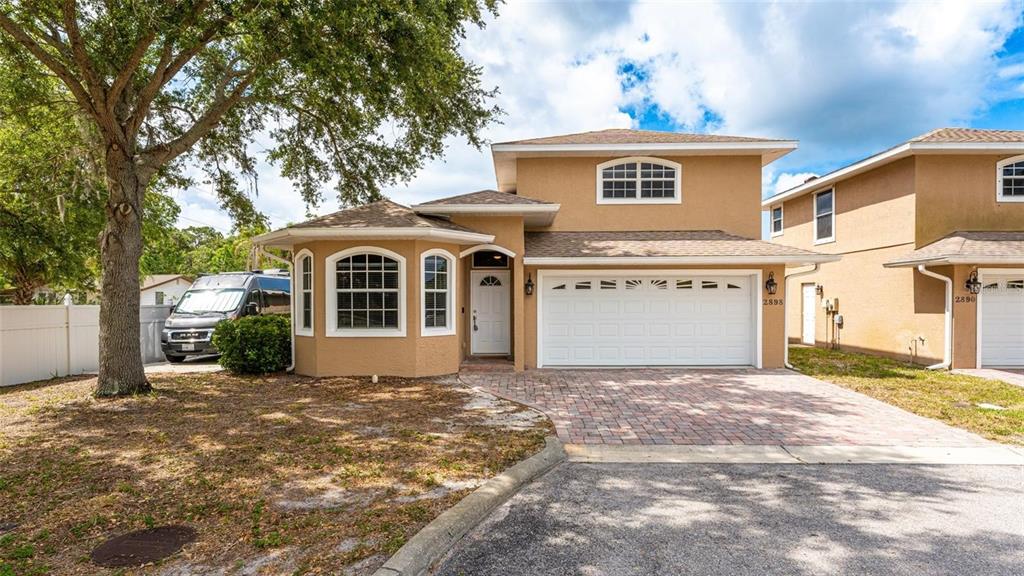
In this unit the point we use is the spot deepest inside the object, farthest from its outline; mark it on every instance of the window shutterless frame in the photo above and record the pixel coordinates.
(631, 178)
(824, 211)
(776, 221)
(433, 296)
(334, 292)
(302, 292)
(1010, 179)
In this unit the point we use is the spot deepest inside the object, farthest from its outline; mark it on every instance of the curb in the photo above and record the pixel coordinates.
(431, 543)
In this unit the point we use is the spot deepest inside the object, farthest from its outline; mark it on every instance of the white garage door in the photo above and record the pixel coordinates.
(1002, 320)
(624, 319)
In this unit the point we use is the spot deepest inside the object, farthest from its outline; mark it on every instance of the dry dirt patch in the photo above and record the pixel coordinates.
(278, 475)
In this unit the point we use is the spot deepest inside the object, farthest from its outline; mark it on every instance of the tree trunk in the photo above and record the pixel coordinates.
(24, 291)
(120, 369)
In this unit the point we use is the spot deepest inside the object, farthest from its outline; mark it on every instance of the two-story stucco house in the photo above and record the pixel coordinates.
(931, 234)
(608, 248)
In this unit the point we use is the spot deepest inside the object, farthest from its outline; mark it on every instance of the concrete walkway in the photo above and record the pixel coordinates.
(189, 366)
(1010, 376)
(737, 520)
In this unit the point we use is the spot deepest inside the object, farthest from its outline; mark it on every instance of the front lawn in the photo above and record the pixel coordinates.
(952, 398)
(278, 475)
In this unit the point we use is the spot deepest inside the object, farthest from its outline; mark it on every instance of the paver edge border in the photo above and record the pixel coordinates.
(435, 539)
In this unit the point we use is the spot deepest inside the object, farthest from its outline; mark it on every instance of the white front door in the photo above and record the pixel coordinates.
(1002, 320)
(490, 319)
(643, 319)
(809, 308)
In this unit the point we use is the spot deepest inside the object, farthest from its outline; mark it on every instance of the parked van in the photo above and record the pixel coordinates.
(215, 298)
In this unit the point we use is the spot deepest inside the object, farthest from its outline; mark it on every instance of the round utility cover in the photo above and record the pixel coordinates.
(143, 546)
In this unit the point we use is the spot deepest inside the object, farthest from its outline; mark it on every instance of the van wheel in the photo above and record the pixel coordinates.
(174, 359)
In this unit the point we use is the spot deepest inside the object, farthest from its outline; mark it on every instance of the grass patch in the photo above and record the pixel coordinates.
(951, 398)
(273, 472)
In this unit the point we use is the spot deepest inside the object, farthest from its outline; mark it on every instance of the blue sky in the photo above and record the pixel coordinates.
(845, 79)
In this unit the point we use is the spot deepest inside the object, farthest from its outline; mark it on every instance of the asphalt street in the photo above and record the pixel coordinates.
(754, 519)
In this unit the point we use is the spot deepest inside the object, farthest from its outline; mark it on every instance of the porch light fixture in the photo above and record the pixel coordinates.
(529, 285)
(973, 285)
(771, 286)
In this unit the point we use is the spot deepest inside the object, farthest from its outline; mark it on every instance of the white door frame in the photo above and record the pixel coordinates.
(978, 306)
(755, 296)
(505, 276)
(803, 313)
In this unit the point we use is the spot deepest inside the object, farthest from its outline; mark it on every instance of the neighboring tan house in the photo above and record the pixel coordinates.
(949, 202)
(163, 289)
(609, 248)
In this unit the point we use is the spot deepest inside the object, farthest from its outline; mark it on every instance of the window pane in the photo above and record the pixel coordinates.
(823, 203)
(359, 300)
(344, 280)
(390, 319)
(391, 280)
(358, 280)
(307, 316)
(824, 224)
(619, 188)
(391, 300)
(344, 319)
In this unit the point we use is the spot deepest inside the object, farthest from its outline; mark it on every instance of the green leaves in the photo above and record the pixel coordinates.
(254, 344)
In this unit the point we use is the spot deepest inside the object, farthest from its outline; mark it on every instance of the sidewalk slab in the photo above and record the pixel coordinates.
(954, 455)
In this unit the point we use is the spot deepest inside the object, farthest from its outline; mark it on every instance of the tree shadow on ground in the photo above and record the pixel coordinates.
(277, 473)
(754, 407)
(730, 520)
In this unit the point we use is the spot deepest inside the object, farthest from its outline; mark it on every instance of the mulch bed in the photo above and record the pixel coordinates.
(277, 474)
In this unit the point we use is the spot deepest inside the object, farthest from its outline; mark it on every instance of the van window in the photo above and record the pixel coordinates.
(276, 299)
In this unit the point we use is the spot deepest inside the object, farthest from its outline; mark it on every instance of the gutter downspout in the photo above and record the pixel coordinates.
(947, 349)
(785, 314)
(291, 299)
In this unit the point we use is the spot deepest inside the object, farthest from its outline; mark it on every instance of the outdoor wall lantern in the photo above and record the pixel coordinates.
(529, 285)
(771, 286)
(973, 285)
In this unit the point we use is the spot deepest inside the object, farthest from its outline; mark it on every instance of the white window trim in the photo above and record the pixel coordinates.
(782, 219)
(331, 297)
(300, 297)
(814, 216)
(678, 199)
(449, 328)
(999, 179)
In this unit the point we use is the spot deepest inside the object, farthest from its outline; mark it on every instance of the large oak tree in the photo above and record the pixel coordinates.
(358, 92)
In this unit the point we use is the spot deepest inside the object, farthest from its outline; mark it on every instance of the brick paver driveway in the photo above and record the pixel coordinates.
(676, 406)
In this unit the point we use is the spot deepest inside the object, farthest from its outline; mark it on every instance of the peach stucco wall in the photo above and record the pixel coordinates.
(882, 215)
(959, 193)
(772, 333)
(410, 356)
(718, 193)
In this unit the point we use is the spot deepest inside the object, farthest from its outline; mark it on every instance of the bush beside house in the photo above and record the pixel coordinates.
(254, 344)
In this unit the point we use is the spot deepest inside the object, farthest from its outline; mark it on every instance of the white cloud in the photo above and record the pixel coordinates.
(846, 79)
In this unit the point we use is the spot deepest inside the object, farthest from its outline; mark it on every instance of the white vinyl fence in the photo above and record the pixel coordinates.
(40, 342)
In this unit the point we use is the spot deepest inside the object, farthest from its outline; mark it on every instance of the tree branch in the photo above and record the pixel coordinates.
(81, 56)
(129, 69)
(47, 59)
(163, 153)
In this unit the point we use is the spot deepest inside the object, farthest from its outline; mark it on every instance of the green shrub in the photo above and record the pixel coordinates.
(254, 344)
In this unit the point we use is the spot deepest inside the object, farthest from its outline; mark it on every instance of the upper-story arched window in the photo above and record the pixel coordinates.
(1010, 180)
(639, 181)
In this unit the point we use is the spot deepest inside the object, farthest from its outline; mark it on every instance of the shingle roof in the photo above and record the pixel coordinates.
(968, 135)
(646, 244)
(968, 247)
(627, 136)
(486, 198)
(380, 214)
